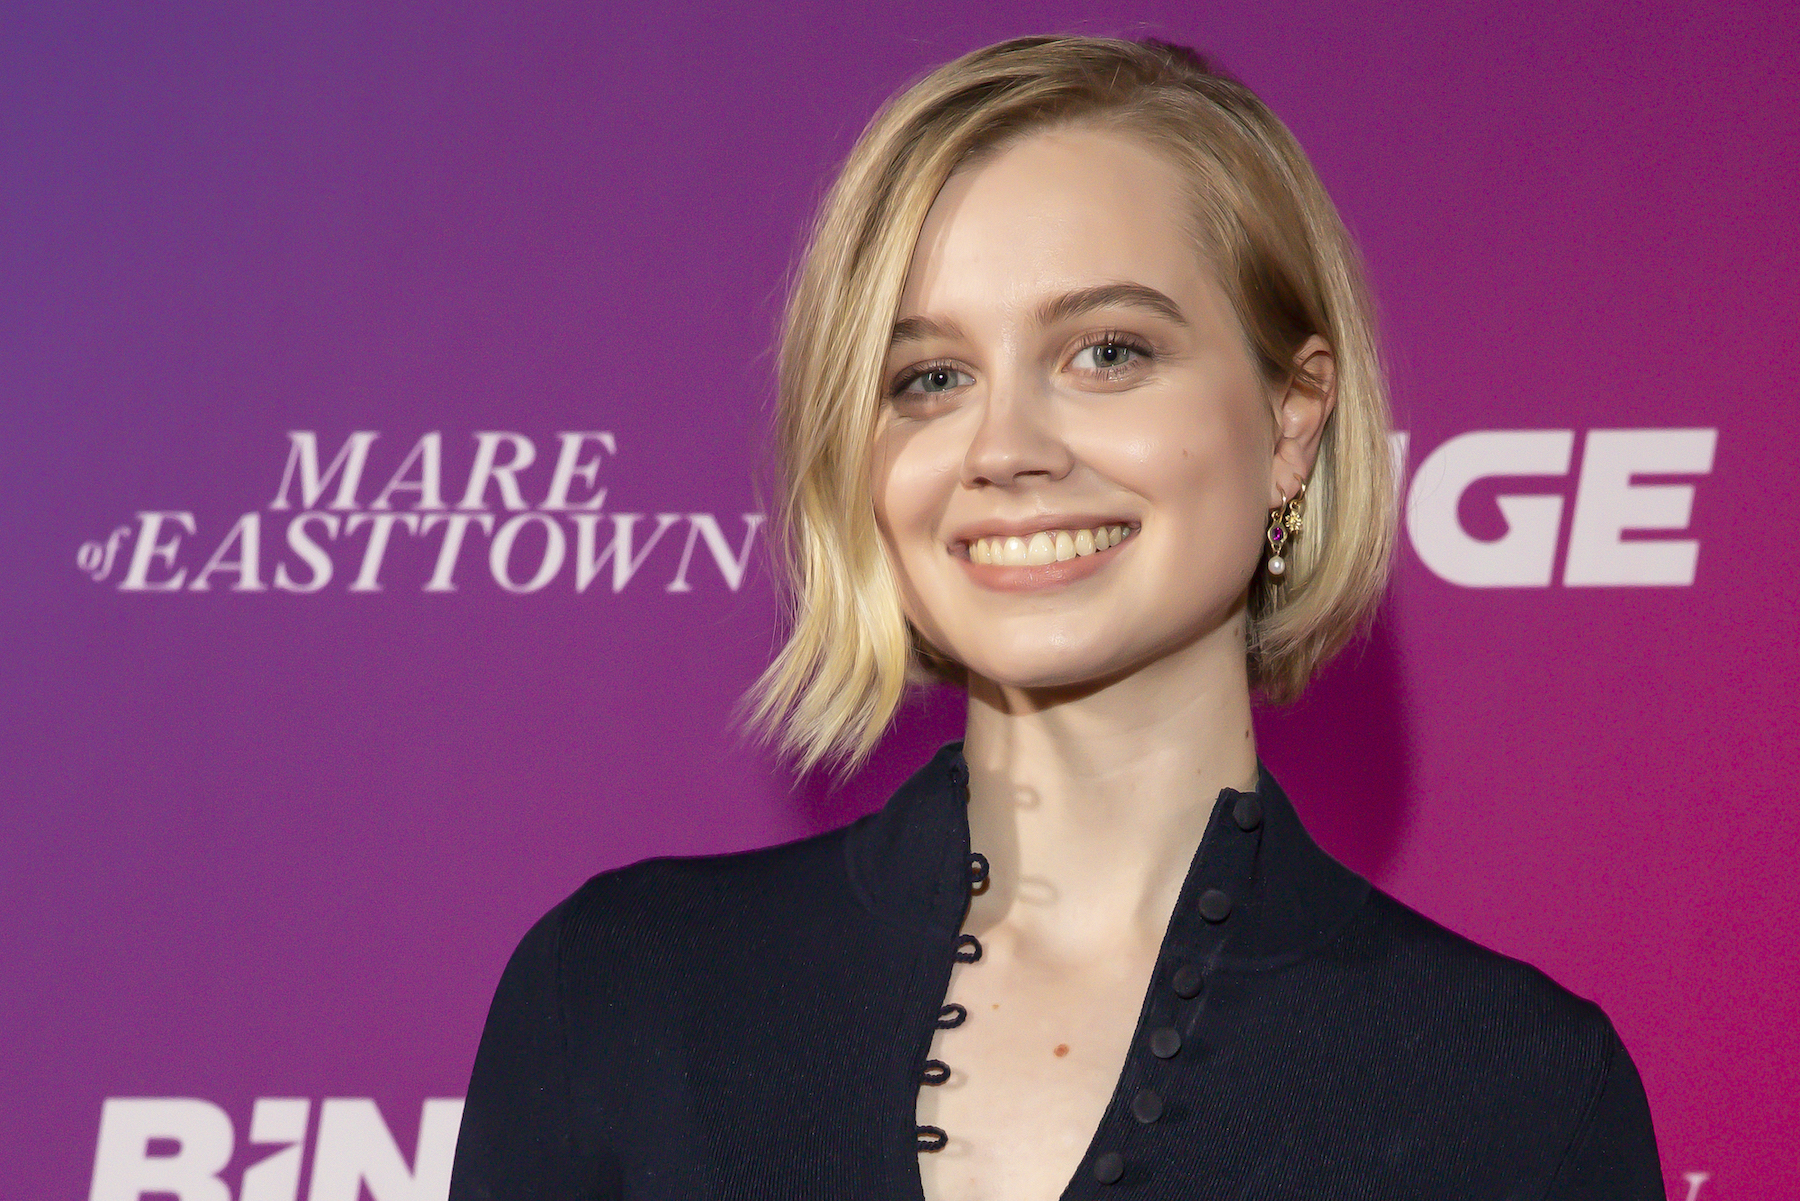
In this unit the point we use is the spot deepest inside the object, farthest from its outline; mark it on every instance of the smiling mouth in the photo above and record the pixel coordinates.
(1046, 546)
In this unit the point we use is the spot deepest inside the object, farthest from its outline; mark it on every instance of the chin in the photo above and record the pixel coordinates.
(1089, 653)
(1046, 665)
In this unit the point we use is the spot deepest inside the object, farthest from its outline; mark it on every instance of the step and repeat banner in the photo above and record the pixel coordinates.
(384, 514)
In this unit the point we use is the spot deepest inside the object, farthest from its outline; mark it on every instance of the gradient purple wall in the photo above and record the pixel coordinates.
(262, 843)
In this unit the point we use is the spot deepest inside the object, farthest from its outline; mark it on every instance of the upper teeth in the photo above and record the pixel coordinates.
(1046, 546)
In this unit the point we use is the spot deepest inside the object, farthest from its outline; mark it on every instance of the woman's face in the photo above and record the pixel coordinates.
(1076, 456)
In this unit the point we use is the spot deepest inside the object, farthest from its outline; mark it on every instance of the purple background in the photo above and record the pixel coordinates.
(278, 845)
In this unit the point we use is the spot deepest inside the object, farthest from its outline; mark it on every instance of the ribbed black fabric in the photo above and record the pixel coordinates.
(756, 1025)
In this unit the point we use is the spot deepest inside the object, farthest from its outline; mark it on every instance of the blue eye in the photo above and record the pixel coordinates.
(937, 379)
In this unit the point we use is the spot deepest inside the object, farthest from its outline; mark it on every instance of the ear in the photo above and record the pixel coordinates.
(1300, 411)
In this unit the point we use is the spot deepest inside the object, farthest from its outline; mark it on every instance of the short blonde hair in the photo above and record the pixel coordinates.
(1284, 260)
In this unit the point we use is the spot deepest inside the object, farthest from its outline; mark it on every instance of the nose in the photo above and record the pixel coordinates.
(1017, 442)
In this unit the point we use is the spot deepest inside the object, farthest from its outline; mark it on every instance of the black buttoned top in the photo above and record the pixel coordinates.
(757, 1026)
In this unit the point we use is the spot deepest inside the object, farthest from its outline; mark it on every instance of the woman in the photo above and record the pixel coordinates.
(1079, 408)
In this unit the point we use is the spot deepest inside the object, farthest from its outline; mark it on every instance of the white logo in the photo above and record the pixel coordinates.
(1694, 1180)
(352, 1149)
(1607, 505)
(528, 545)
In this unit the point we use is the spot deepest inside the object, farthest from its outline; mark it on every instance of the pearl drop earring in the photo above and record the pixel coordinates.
(1283, 528)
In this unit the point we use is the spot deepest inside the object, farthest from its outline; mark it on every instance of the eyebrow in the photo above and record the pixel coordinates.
(1108, 296)
(1057, 308)
(918, 329)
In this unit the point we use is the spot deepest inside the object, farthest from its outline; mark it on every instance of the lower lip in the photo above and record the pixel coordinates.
(1042, 575)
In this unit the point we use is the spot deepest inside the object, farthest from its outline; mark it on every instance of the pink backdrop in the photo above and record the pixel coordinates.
(269, 836)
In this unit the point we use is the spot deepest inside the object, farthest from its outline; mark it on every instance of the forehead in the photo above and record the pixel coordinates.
(1060, 209)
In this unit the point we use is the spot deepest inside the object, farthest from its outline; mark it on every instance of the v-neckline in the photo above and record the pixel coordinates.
(1257, 894)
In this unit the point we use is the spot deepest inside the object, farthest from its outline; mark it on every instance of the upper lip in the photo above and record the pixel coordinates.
(996, 527)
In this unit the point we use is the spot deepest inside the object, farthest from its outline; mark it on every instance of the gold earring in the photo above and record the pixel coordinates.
(1284, 527)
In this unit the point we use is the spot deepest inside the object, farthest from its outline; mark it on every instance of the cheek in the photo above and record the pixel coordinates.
(911, 484)
(1203, 464)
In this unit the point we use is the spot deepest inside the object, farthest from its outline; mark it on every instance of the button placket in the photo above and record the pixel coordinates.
(1222, 908)
(1225, 886)
(965, 949)
(1201, 931)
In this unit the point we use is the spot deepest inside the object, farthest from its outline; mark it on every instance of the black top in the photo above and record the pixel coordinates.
(758, 1025)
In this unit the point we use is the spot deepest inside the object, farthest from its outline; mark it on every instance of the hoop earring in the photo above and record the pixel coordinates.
(1284, 527)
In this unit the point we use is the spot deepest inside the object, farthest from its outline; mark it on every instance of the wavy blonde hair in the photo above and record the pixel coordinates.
(1283, 257)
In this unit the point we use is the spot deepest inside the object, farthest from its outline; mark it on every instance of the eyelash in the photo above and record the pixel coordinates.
(1115, 337)
(1111, 337)
(907, 378)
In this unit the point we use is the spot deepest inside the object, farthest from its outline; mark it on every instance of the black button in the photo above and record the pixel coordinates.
(1109, 1167)
(1165, 1042)
(1215, 906)
(1146, 1107)
(1187, 982)
(1247, 813)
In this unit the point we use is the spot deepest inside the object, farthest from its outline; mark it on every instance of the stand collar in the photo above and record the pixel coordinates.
(1259, 892)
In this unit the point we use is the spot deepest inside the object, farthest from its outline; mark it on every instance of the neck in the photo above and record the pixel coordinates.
(1090, 804)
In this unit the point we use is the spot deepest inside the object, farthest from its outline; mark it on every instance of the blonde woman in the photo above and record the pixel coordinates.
(1080, 409)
